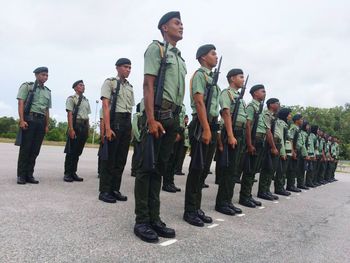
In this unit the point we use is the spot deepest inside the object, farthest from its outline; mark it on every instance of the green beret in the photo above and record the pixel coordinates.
(234, 72)
(271, 101)
(76, 83)
(255, 88)
(297, 117)
(123, 61)
(167, 17)
(40, 70)
(203, 50)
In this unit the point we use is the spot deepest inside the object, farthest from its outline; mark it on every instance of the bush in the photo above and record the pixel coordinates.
(55, 135)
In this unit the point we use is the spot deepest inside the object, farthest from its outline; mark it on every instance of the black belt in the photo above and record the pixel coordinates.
(239, 125)
(82, 121)
(168, 105)
(123, 115)
(36, 115)
(260, 135)
(211, 120)
(277, 140)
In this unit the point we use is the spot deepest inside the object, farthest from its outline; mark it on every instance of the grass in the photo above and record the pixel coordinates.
(52, 143)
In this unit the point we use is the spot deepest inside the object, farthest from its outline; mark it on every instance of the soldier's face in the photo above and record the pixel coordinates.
(124, 70)
(42, 77)
(211, 58)
(260, 94)
(186, 120)
(238, 80)
(80, 88)
(289, 117)
(174, 29)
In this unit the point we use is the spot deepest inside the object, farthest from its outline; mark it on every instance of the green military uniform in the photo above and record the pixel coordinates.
(319, 173)
(112, 169)
(317, 160)
(148, 183)
(195, 180)
(267, 171)
(81, 129)
(101, 144)
(327, 175)
(232, 172)
(186, 145)
(168, 177)
(311, 142)
(180, 154)
(33, 136)
(255, 161)
(293, 134)
(281, 133)
(218, 153)
(302, 154)
(136, 138)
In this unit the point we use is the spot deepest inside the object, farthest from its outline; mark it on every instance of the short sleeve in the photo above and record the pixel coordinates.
(70, 104)
(106, 89)
(23, 91)
(152, 60)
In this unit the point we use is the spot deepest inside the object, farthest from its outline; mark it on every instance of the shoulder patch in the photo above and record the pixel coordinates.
(111, 79)
(157, 41)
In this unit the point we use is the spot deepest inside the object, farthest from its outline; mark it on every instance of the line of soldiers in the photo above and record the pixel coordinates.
(247, 140)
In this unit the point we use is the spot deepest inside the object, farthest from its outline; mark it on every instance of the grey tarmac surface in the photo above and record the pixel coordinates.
(65, 222)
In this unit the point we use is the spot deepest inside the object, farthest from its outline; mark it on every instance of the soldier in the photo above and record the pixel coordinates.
(162, 124)
(272, 151)
(206, 120)
(335, 152)
(117, 101)
(78, 110)
(168, 178)
(315, 131)
(34, 102)
(311, 142)
(255, 134)
(294, 134)
(321, 158)
(136, 137)
(235, 133)
(303, 157)
(284, 116)
(186, 145)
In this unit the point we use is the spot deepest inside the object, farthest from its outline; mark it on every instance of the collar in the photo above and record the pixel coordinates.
(206, 70)
(125, 81)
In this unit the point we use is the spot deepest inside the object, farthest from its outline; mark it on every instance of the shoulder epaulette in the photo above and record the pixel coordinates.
(47, 88)
(111, 79)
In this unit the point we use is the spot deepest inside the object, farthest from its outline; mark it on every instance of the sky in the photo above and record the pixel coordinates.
(299, 49)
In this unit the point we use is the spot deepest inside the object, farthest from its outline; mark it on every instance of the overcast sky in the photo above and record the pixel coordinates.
(298, 49)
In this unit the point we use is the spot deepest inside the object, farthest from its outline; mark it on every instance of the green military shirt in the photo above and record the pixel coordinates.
(174, 83)
(186, 138)
(334, 150)
(327, 149)
(253, 107)
(182, 116)
(101, 114)
(41, 99)
(228, 100)
(337, 150)
(125, 98)
(135, 128)
(286, 148)
(311, 145)
(200, 80)
(321, 145)
(84, 108)
(316, 146)
(302, 144)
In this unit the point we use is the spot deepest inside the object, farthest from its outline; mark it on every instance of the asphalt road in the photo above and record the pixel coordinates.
(65, 222)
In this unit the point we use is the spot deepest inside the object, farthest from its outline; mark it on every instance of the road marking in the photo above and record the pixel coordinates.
(220, 220)
(168, 242)
(261, 207)
(240, 215)
(213, 225)
(304, 191)
(275, 202)
(297, 193)
(287, 197)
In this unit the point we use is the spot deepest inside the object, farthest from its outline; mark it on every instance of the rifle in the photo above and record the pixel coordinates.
(247, 161)
(27, 106)
(114, 102)
(149, 160)
(224, 156)
(197, 161)
(67, 148)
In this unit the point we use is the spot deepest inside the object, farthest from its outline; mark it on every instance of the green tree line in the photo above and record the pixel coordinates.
(334, 121)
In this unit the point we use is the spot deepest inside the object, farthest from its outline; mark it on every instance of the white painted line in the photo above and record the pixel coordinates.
(240, 215)
(287, 197)
(297, 193)
(275, 202)
(261, 207)
(220, 220)
(213, 225)
(168, 242)
(304, 191)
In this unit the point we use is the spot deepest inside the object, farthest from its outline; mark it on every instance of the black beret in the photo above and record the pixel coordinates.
(314, 129)
(41, 69)
(77, 82)
(255, 88)
(123, 61)
(297, 117)
(203, 50)
(234, 72)
(165, 18)
(283, 113)
(272, 101)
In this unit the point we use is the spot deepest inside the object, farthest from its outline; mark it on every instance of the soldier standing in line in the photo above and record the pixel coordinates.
(34, 102)
(78, 110)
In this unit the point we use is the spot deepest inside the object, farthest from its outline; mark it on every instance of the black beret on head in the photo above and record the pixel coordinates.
(234, 72)
(203, 50)
(76, 83)
(297, 117)
(123, 61)
(271, 101)
(283, 113)
(314, 129)
(40, 70)
(305, 123)
(255, 88)
(165, 18)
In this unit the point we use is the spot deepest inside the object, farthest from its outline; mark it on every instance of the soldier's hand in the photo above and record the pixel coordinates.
(155, 128)
(206, 136)
(46, 129)
(284, 158)
(274, 151)
(232, 141)
(178, 137)
(71, 133)
(23, 125)
(307, 158)
(251, 150)
(221, 147)
(110, 134)
(294, 155)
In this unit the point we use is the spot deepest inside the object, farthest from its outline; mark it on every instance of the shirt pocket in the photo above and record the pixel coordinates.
(46, 101)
